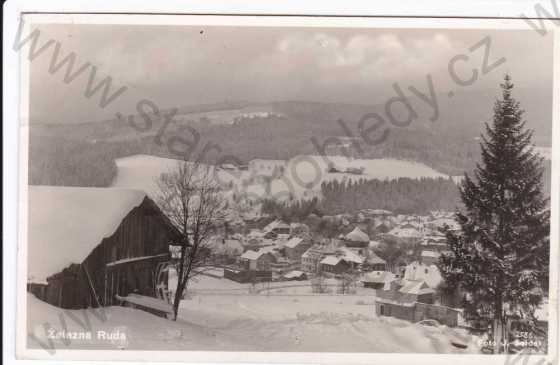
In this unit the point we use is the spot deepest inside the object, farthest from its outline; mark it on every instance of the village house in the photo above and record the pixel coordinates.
(429, 257)
(382, 229)
(254, 266)
(295, 248)
(357, 239)
(343, 260)
(91, 246)
(417, 271)
(282, 265)
(351, 255)
(406, 233)
(277, 229)
(257, 260)
(373, 262)
(334, 265)
(413, 301)
(378, 279)
(310, 260)
(434, 242)
(441, 222)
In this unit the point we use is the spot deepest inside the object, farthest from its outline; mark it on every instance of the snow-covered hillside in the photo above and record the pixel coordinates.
(299, 177)
(141, 330)
(238, 321)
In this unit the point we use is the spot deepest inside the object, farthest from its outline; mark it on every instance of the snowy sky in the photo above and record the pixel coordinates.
(185, 65)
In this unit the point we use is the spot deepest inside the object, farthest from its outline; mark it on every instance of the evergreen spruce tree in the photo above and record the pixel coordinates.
(500, 256)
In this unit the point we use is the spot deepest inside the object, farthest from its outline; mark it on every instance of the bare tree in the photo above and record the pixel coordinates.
(319, 283)
(347, 284)
(190, 196)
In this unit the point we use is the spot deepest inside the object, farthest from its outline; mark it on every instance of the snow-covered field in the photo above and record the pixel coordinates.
(222, 315)
(302, 176)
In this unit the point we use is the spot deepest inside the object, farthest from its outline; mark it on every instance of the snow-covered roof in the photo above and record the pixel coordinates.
(134, 259)
(374, 259)
(417, 271)
(308, 253)
(409, 224)
(378, 277)
(275, 224)
(67, 223)
(251, 255)
(383, 227)
(351, 256)
(294, 274)
(331, 260)
(441, 222)
(416, 288)
(293, 242)
(435, 236)
(319, 250)
(432, 254)
(396, 302)
(254, 255)
(227, 246)
(357, 235)
(405, 232)
(255, 233)
(378, 212)
(434, 242)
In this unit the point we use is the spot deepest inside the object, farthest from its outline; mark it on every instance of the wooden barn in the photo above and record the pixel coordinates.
(86, 246)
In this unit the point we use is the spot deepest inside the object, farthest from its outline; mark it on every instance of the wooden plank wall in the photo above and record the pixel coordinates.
(143, 232)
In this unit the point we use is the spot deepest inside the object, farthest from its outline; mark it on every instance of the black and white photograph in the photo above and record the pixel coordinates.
(287, 185)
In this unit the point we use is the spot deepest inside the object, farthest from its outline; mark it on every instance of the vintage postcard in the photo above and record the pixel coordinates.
(287, 189)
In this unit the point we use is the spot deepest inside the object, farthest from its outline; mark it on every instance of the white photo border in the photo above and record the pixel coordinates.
(15, 139)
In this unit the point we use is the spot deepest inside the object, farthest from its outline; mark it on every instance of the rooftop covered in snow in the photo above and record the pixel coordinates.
(416, 287)
(293, 242)
(432, 254)
(66, 223)
(331, 260)
(357, 235)
(374, 259)
(378, 277)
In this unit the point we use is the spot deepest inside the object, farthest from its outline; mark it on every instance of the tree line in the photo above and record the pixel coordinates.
(401, 196)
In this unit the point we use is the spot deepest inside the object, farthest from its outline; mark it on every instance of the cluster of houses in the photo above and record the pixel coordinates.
(281, 247)
(407, 290)
(277, 250)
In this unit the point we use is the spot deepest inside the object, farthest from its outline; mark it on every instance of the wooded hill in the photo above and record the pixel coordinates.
(83, 154)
